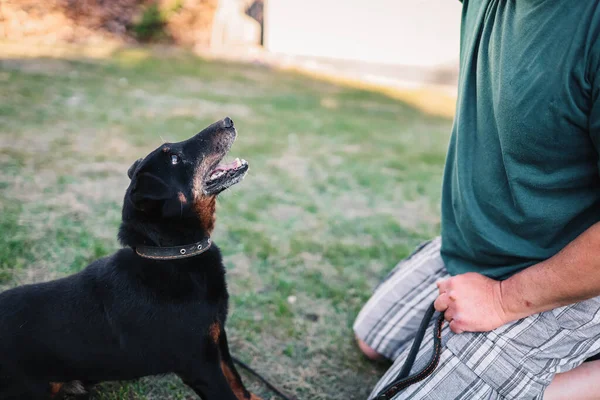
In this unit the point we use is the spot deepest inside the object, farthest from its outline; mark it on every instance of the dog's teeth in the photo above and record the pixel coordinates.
(217, 174)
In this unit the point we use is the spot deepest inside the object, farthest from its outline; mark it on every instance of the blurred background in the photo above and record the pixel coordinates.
(343, 109)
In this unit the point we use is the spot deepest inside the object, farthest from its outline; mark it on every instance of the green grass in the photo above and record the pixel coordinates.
(343, 183)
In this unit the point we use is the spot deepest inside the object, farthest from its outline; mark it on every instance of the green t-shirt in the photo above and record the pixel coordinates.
(522, 174)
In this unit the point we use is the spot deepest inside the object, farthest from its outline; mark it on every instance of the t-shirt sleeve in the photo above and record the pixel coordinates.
(593, 78)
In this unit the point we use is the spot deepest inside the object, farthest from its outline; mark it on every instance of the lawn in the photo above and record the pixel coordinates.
(343, 183)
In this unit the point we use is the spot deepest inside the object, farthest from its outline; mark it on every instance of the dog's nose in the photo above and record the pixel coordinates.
(227, 122)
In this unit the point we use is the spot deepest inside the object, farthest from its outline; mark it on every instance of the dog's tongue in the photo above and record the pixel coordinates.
(232, 165)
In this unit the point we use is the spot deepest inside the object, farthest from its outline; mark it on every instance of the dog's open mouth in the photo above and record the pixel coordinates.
(224, 176)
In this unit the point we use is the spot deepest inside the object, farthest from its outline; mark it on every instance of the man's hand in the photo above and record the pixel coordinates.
(474, 303)
(471, 303)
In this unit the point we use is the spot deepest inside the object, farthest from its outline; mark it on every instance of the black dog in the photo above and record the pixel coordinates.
(156, 306)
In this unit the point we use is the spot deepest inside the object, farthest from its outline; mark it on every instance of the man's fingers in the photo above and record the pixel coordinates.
(443, 285)
(449, 315)
(442, 302)
(455, 327)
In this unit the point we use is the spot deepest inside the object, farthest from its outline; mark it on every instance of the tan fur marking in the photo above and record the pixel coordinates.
(215, 332)
(166, 149)
(182, 198)
(201, 171)
(55, 388)
(205, 208)
(236, 385)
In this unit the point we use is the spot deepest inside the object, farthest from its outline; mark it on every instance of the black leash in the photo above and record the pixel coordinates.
(263, 380)
(403, 381)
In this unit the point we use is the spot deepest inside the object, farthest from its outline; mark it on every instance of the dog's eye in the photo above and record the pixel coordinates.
(175, 159)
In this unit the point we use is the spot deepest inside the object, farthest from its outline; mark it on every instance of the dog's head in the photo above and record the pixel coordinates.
(182, 180)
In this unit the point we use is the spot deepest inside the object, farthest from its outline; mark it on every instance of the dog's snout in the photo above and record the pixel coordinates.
(227, 122)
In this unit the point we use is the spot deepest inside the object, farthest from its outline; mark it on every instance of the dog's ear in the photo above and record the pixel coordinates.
(148, 191)
(133, 167)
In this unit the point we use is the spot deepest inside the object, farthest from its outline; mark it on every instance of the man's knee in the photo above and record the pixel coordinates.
(367, 351)
(578, 383)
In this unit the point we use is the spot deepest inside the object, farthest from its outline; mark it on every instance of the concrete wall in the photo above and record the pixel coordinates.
(413, 33)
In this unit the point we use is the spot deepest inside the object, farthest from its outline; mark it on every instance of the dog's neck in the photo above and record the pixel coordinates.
(173, 233)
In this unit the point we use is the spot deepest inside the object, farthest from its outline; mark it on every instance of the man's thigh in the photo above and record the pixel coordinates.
(515, 361)
(391, 317)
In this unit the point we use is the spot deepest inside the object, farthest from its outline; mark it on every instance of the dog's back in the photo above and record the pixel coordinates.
(42, 325)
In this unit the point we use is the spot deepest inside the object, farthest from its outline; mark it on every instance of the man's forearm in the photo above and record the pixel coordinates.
(570, 276)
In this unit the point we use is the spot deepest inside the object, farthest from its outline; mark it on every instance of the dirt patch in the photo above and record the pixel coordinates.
(152, 105)
(227, 89)
(352, 148)
(241, 265)
(412, 215)
(408, 214)
(354, 205)
(286, 212)
(48, 67)
(292, 164)
(330, 103)
(314, 262)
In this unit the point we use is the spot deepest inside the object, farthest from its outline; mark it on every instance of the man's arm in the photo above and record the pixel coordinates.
(475, 303)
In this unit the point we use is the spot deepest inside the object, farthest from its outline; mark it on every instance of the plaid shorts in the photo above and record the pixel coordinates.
(515, 361)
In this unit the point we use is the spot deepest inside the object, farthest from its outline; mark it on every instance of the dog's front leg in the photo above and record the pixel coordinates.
(205, 376)
(231, 374)
(211, 384)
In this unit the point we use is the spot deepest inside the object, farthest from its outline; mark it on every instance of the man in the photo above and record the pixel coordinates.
(517, 268)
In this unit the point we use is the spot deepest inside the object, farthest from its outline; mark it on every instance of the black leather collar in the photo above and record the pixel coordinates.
(175, 252)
